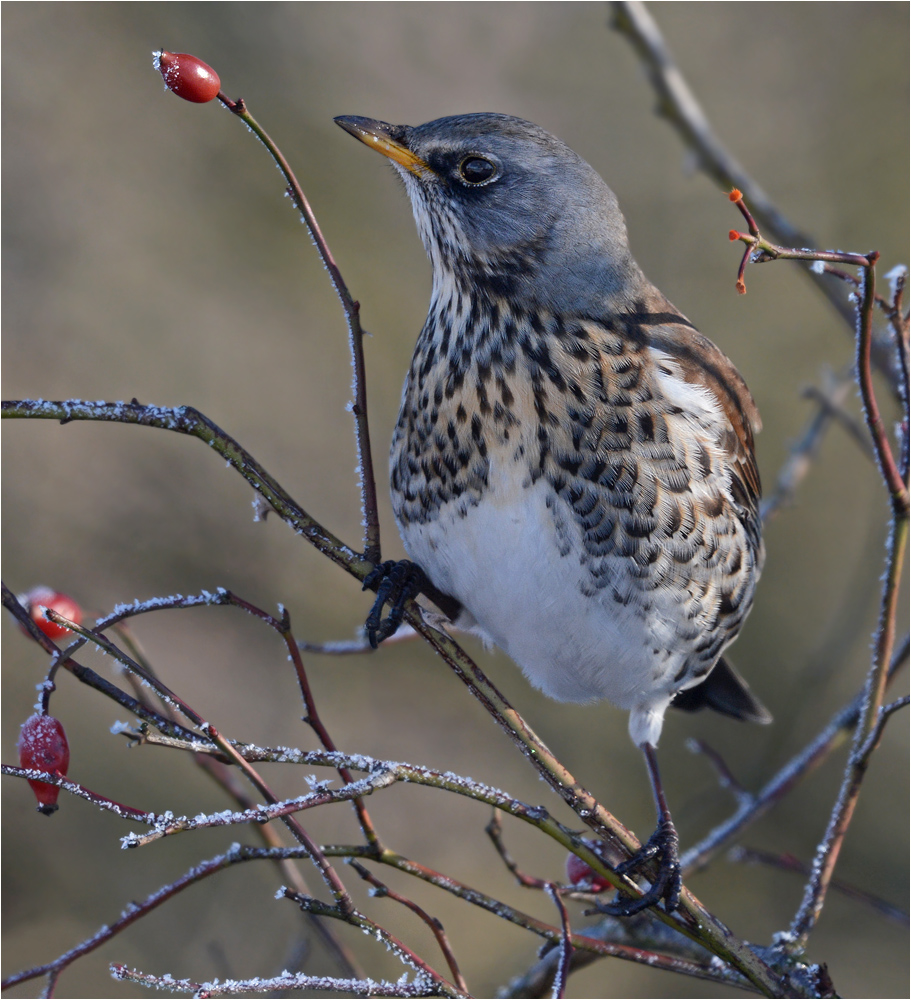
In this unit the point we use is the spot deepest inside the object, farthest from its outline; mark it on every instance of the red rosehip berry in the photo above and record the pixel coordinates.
(187, 76)
(43, 747)
(39, 598)
(581, 875)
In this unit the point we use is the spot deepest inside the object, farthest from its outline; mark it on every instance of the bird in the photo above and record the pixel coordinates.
(572, 470)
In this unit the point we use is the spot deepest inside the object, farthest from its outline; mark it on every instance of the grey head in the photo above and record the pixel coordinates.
(501, 203)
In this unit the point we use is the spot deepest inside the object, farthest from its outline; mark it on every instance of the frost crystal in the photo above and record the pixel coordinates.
(896, 277)
(316, 784)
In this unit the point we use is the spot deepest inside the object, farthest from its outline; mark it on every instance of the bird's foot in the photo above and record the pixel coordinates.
(662, 846)
(395, 584)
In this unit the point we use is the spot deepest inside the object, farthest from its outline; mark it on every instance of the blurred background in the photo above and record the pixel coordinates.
(149, 252)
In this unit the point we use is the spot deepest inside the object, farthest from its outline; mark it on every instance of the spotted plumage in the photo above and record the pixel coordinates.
(573, 461)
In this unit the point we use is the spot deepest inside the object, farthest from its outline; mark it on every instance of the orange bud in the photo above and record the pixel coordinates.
(735, 194)
(741, 287)
(733, 235)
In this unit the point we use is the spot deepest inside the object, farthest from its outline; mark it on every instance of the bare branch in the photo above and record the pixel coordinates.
(561, 974)
(787, 862)
(832, 735)
(434, 983)
(352, 311)
(418, 987)
(436, 927)
(679, 105)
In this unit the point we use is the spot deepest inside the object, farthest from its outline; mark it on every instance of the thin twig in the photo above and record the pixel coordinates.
(135, 911)
(883, 714)
(354, 647)
(436, 984)
(691, 918)
(312, 718)
(869, 726)
(561, 975)
(679, 105)
(435, 925)
(726, 777)
(189, 421)
(887, 464)
(330, 877)
(352, 310)
(88, 676)
(286, 981)
(74, 788)
(218, 770)
(494, 830)
(831, 736)
(787, 862)
(684, 964)
(833, 407)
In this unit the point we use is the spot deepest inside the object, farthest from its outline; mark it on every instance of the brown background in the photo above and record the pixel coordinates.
(149, 253)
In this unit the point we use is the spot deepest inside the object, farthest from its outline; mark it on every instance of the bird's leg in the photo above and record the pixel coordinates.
(395, 584)
(663, 846)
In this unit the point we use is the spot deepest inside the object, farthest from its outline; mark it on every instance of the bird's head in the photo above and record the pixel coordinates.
(502, 204)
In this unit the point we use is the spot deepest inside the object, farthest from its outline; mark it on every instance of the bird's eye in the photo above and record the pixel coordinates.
(476, 170)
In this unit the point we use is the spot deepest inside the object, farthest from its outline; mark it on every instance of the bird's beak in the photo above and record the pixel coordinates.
(385, 139)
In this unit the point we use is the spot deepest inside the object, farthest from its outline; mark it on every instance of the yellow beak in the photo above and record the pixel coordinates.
(380, 136)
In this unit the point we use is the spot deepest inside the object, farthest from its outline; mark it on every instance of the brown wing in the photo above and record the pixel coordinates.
(701, 363)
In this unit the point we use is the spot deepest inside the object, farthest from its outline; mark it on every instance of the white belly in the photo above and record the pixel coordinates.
(503, 562)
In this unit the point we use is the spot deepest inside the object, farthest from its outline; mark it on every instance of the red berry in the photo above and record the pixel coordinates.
(39, 598)
(580, 874)
(187, 76)
(43, 747)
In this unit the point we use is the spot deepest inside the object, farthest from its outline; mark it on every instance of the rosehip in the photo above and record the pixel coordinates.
(580, 874)
(43, 747)
(187, 76)
(43, 597)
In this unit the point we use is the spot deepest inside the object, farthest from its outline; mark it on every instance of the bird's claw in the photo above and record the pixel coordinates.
(396, 583)
(662, 845)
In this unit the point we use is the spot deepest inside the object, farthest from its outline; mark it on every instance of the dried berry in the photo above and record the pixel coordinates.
(39, 598)
(43, 747)
(187, 76)
(581, 875)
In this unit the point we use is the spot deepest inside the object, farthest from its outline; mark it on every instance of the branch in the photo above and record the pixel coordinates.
(565, 950)
(436, 927)
(678, 104)
(418, 987)
(88, 676)
(692, 918)
(788, 863)
(166, 824)
(135, 911)
(689, 960)
(434, 983)
(752, 808)
(189, 421)
(80, 791)
(352, 311)
(867, 735)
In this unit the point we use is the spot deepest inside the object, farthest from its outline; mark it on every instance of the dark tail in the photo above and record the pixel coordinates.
(725, 691)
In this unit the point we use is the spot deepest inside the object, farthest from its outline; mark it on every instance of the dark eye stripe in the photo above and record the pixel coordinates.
(476, 170)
